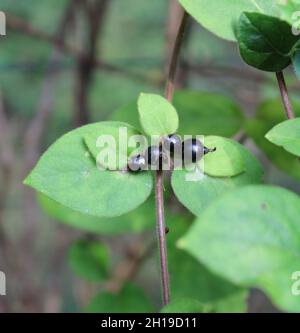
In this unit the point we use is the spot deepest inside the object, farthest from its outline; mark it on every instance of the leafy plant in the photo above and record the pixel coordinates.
(261, 234)
(245, 234)
(89, 260)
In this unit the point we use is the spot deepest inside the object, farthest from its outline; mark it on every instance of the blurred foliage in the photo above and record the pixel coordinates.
(134, 40)
(269, 114)
(190, 279)
(89, 260)
(217, 114)
(258, 227)
(130, 298)
(286, 135)
(202, 193)
(184, 305)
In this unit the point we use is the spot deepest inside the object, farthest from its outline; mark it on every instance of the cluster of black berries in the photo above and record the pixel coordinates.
(190, 150)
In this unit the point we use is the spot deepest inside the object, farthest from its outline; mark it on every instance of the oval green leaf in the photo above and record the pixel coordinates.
(227, 160)
(136, 221)
(68, 174)
(221, 17)
(265, 42)
(268, 115)
(157, 115)
(214, 292)
(197, 195)
(217, 114)
(257, 226)
(286, 135)
(116, 143)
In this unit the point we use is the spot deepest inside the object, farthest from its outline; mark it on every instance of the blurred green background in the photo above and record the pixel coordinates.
(58, 70)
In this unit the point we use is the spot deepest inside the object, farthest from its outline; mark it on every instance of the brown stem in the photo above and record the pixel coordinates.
(95, 13)
(159, 197)
(284, 95)
(161, 236)
(170, 85)
(127, 269)
(24, 27)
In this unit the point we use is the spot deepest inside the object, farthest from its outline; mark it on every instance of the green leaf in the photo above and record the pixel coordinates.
(268, 115)
(191, 279)
(89, 260)
(217, 114)
(117, 140)
(227, 160)
(221, 17)
(252, 238)
(184, 305)
(197, 195)
(265, 42)
(157, 115)
(136, 221)
(68, 174)
(287, 135)
(296, 63)
(130, 299)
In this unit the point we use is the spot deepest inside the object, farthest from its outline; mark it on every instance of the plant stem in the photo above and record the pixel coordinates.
(284, 95)
(170, 85)
(159, 197)
(161, 235)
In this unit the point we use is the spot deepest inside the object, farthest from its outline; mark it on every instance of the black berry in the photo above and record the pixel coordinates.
(192, 150)
(172, 143)
(137, 163)
(155, 157)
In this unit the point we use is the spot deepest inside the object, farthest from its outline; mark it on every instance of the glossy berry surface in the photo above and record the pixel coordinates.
(137, 163)
(172, 143)
(155, 157)
(192, 150)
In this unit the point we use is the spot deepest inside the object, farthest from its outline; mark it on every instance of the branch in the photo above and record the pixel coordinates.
(6, 163)
(175, 15)
(128, 268)
(228, 71)
(170, 85)
(159, 198)
(6, 150)
(284, 95)
(18, 24)
(36, 128)
(86, 65)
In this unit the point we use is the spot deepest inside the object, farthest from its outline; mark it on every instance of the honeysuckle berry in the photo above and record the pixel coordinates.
(172, 143)
(155, 157)
(137, 163)
(193, 150)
